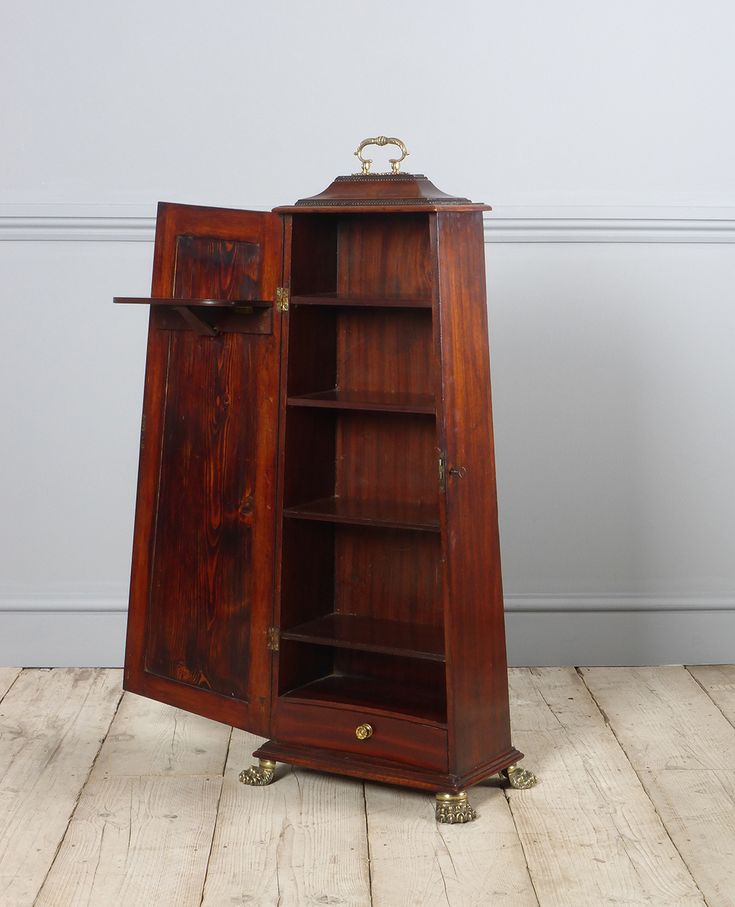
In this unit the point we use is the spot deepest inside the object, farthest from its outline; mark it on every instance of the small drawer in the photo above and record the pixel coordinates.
(393, 739)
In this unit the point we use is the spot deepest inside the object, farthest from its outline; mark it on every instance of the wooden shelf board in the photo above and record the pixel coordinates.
(332, 299)
(371, 634)
(194, 303)
(389, 514)
(370, 694)
(376, 401)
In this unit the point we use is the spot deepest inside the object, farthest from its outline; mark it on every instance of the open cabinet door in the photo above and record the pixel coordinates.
(201, 598)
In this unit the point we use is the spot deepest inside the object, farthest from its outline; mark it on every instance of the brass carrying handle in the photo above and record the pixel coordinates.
(395, 163)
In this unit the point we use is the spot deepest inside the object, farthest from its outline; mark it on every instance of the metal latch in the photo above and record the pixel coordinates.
(458, 472)
(283, 295)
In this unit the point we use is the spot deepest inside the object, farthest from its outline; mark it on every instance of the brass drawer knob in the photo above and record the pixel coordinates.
(363, 731)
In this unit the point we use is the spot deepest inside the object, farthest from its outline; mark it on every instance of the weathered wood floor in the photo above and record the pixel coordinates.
(116, 801)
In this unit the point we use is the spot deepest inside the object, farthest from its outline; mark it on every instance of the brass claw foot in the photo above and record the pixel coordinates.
(452, 809)
(519, 778)
(259, 775)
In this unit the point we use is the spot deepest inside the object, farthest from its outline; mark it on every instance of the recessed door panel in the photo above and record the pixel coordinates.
(202, 580)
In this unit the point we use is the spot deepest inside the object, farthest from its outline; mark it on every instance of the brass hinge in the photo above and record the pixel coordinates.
(283, 294)
(442, 472)
(273, 639)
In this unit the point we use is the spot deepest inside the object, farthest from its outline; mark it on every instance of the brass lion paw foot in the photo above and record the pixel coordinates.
(453, 809)
(259, 775)
(519, 778)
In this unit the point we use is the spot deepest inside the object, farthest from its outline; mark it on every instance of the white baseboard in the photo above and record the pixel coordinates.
(54, 630)
(62, 639)
(621, 637)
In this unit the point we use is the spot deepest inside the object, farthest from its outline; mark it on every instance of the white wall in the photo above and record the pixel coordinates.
(599, 132)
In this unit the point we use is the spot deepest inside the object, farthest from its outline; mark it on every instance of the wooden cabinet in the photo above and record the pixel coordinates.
(316, 551)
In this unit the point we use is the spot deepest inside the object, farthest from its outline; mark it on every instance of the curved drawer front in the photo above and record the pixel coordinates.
(419, 745)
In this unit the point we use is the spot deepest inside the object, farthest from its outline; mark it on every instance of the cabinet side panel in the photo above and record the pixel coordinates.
(477, 682)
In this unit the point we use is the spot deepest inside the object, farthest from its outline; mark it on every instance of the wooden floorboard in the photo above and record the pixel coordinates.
(149, 738)
(718, 681)
(636, 804)
(416, 863)
(298, 841)
(136, 840)
(8, 676)
(590, 833)
(683, 749)
(52, 723)
(142, 831)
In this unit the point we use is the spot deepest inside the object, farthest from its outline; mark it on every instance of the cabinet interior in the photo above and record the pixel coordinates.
(362, 256)
(361, 613)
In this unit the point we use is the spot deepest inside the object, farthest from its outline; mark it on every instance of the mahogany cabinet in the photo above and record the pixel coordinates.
(316, 552)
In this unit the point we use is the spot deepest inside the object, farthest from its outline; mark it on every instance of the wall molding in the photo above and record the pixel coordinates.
(29, 603)
(116, 602)
(608, 227)
(77, 223)
(506, 224)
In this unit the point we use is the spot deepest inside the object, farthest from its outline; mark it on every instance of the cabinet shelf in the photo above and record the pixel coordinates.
(377, 401)
(390, 514)
(374, 696)
(369, 302)
(371, 634)
(172, 302)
